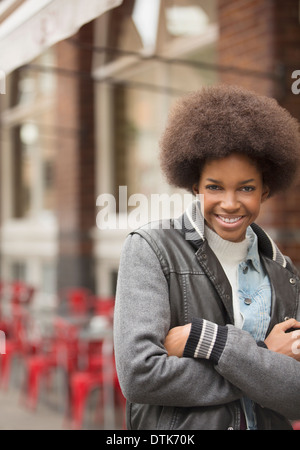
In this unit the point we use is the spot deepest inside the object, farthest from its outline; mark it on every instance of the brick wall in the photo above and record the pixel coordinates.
(247, 43)
(288, 53)
(261, 40)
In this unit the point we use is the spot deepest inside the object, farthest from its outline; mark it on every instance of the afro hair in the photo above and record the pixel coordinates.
(222, 119)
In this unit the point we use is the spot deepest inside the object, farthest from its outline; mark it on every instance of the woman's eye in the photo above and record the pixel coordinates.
(248, 188)
(216, 187)
(213, 187)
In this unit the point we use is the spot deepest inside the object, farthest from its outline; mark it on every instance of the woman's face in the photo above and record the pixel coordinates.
(233, 191)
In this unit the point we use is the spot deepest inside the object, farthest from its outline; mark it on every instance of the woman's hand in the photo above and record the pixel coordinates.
(286, 343)
(176, 340)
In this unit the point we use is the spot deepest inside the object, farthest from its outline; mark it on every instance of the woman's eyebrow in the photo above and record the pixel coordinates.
(212, 180)
(247, 181)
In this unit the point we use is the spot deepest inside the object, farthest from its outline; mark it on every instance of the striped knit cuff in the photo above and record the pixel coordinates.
(206, 340)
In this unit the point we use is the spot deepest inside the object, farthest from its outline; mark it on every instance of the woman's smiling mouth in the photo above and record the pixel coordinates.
(229, 219)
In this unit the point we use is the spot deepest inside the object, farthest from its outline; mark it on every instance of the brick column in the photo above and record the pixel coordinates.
(246, 44)
(287, 35)
(261, 40)
(75, 171)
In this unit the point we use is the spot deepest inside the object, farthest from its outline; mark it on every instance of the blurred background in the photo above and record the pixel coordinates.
(88, 86)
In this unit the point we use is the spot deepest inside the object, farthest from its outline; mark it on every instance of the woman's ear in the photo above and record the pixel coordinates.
(265, 194)
(195, 189)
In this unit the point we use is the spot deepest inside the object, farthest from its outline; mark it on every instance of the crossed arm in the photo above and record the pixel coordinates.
(279, 340)
(148, 375)
(275, 372)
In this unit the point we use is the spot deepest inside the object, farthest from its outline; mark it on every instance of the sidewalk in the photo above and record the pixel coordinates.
(15, 416)
(50, 411)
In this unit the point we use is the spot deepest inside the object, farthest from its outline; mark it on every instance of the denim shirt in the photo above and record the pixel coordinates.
(255, 305)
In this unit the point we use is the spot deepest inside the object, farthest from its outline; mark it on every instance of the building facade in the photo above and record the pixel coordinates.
(80, 126)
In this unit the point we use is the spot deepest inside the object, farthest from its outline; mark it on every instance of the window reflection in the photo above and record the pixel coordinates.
(33, 138)
(186, 20)
(30, 84)
(146, 18)
(174, 29)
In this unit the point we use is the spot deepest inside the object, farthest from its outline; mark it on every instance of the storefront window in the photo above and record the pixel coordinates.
(34, 83)
(32, 136)
(28, 153)
(189, 18)
(175, 46)
(34, 189)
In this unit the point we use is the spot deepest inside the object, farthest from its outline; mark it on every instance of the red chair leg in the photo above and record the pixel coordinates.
(81, 385)
(36, 368)
(79, 392)
(6, 364)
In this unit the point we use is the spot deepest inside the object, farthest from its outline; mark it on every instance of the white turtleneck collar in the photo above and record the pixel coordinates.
(232, 253)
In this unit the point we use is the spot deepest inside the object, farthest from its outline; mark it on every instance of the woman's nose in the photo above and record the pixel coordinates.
(230, 202)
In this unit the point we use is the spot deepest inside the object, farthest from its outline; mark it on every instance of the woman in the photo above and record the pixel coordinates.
(205, 302)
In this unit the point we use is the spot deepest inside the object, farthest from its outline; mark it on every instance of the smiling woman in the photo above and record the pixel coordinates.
(192, 315)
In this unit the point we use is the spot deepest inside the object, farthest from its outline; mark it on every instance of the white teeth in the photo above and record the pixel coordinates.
(227, 220)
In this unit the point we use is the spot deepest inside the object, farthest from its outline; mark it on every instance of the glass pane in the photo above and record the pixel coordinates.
(138, 123)
(34, 82)
(18, 271)
(48, 278)
(189, 17)
(184, 56)
(141, 108)
(26, 177)
(198, 67)
(32, 90)
(34, 153)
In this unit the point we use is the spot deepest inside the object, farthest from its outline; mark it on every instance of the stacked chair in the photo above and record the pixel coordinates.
(74, 346)
(16, 297)
(60, 349)
(99, 373)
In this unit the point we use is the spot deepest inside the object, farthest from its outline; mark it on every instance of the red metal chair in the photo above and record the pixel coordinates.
(103, 310)
(102, 376)
(21, 293)
(3, 319)
(99, 371)
(15, 344)
(103, 306)
(61, 350)
(17, 296)
(78, 300)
